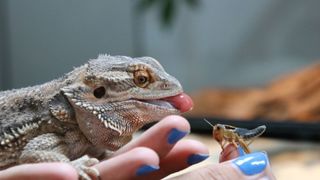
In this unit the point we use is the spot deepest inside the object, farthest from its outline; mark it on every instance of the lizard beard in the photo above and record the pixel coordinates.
(111, 125)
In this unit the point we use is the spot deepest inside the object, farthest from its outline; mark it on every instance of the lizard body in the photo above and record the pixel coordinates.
(94, 108)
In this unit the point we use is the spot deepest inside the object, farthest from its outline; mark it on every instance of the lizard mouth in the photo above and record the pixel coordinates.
(181, 102)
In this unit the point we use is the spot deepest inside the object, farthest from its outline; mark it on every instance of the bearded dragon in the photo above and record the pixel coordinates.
(93, 109)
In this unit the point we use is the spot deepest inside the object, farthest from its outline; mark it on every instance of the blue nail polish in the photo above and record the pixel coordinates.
(146, 169)
(251, 164)
(196, 158)
(175, 135)
(241, 151)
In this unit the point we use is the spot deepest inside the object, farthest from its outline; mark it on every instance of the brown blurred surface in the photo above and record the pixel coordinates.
(294, 96)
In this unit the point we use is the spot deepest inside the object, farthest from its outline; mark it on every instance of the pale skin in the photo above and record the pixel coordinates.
(150, 148)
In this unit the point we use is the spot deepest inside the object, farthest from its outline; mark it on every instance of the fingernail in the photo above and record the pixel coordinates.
(196, 158)
(175, 135)
(146, 169)
(241, 151)
(251, 164)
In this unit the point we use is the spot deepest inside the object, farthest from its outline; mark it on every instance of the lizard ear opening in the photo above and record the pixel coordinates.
(99, 92)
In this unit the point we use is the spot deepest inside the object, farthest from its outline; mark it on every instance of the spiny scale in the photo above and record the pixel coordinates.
(15, 136)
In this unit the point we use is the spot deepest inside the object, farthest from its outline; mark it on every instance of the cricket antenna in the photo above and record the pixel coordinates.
(208, 122)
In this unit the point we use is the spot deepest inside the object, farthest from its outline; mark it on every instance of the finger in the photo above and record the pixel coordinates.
(217, 171)
(230, 152)
(161, 137)
(136, 162)
(50, 171)
(184, 154)
(248, 167)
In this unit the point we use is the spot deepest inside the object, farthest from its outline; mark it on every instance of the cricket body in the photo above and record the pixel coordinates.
(224, 134)
(93, 109)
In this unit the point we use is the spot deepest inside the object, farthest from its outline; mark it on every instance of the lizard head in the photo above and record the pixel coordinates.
(117, 95)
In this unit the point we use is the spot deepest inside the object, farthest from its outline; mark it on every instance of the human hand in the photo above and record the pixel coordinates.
(158, 147)
(234, 164)
(157, 153)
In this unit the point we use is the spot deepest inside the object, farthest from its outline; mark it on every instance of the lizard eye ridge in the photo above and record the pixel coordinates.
(99, 92)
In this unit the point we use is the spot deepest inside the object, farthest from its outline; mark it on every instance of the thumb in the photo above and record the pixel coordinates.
(247, 167)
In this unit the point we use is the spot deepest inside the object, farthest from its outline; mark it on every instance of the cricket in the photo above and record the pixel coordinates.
(225, 134)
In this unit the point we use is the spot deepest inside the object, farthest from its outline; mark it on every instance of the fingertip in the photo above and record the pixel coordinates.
(145, 155)
(200, 152)
(196, 158)
(137, 161)
(184, 154)
(175, 135)
(176, 121)
(146, 160)
(174, 117)
(230, 152)
(252, 164)
(241, 151)
(191, 145)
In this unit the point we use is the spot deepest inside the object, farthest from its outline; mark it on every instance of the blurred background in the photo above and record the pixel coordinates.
(225, 53)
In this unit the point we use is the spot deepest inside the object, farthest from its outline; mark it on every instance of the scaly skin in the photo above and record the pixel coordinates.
(94, 108)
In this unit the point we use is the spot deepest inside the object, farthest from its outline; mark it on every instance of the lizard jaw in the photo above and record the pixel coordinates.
(159, 102)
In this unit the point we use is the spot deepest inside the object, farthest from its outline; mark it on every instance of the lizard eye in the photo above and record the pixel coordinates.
(99, 92)
(141, 78)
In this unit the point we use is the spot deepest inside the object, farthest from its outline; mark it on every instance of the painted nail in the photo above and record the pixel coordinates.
(146, 169)
(241, 151)
(196, 158)
(175, 135)
(251, 164)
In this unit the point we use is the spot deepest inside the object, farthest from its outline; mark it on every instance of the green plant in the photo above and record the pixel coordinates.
(167, 8)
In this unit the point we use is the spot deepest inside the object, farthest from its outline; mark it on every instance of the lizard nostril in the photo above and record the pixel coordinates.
(165, 85)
